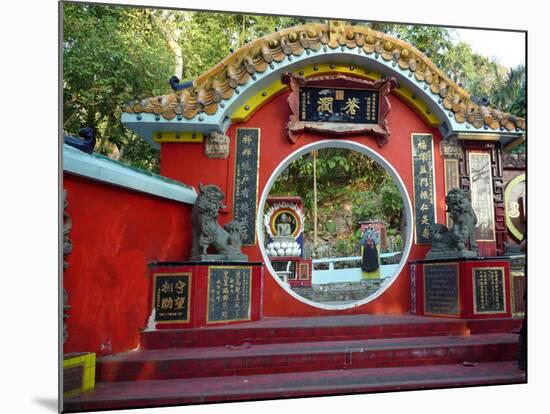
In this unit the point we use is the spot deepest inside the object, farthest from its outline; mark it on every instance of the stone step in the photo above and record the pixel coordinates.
(306, 329)
(304, 356)
(297, 384)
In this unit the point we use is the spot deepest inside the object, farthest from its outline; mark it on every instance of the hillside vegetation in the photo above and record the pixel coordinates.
(350, 187)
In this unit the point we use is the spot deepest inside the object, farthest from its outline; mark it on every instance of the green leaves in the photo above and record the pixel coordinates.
(114, 54)
(351, 187)
(111, 55)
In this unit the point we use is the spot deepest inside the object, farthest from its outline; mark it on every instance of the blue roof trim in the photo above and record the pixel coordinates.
(100, 168)
(145, 124)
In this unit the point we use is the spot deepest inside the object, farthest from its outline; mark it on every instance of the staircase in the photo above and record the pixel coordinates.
(292, 357)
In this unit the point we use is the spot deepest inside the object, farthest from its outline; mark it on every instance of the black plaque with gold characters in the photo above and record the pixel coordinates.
(229, 293)
(423, 186)
(441, 289)
(171, 297)
(247, 153)
(339, 105)
(489, 290)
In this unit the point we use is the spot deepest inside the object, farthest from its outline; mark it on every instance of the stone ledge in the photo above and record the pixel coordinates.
(103, 169)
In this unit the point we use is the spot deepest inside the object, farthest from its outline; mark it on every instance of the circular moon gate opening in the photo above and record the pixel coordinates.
(333, 275)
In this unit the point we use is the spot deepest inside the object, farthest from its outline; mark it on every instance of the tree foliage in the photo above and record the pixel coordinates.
(114, 54)
(346, 180)
(111, 55)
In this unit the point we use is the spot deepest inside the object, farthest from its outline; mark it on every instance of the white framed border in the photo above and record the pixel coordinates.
(365, 150)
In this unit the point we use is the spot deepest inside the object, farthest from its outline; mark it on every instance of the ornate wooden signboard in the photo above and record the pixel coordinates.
(229, 293)
(452, 181)
(247, 155)
(423, 187)
(441, 289)
(489, 293)
(339, 105)
(171, 297)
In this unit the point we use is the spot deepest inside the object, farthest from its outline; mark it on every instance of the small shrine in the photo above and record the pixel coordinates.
(284, 227)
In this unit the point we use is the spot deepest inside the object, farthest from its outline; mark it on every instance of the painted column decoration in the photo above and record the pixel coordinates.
(481, 192)
(247, 157)
(423, 187)
(451, 151)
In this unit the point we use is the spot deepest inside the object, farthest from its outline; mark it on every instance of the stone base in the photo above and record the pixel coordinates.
(465, 288)
(339, 291)
(240, 257)
(450, 254)
(202, 291)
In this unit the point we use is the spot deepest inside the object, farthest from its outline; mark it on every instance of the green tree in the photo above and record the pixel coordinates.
(509, 91)
(116, 54)
(111, 55)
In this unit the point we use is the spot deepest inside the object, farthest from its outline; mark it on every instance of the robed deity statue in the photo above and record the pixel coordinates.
(370, 241)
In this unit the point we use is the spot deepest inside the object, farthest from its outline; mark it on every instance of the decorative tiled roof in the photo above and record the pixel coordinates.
(220, 82)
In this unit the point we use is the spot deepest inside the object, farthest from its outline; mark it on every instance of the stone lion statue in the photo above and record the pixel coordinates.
(464, 218)
(227, 241)
(459, 240)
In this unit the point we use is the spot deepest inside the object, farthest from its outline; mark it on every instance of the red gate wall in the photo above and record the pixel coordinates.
(115, 233)
(187, 163)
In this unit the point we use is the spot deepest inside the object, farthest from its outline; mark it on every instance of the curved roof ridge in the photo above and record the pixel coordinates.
(222, 80)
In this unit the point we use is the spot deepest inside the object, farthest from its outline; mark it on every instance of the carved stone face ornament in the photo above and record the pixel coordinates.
(216, 145)
(451, 149)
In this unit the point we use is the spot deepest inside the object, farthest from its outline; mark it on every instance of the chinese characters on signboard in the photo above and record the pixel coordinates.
(489, 290)
(424, 191)
(441, 289)
(339, 105)
(229, 293)
(171, 297)
(482, 195)
(246, 181)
